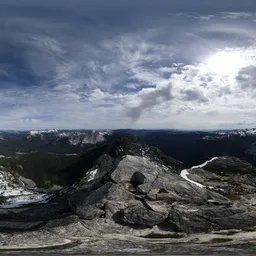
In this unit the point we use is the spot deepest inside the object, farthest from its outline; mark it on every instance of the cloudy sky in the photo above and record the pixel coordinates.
(100, 64)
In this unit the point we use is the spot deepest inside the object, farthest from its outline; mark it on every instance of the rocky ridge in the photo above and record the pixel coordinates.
(131, 187)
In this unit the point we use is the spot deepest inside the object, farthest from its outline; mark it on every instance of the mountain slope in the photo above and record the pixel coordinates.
(140, 191)
(16, 191)
(43, 168)
(127, 194)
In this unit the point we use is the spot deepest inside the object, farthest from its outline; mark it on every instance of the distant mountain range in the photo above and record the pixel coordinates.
(190, 147)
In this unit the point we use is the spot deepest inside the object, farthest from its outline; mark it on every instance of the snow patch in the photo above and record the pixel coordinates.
(15, 193)
(19, 201)
(204, 164)
(211, 201)
(92, 174)
(184, 173)
(21, 153)
(2, 156)
(9, 185)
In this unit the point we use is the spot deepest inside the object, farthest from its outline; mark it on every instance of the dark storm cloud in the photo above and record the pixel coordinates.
(150, 100)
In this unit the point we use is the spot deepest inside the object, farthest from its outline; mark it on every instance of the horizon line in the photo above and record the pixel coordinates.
(105, 129)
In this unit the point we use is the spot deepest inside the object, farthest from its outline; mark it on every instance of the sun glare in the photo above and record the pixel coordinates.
(225, 63)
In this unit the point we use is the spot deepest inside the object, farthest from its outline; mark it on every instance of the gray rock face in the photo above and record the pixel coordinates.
(122, 183)
(176, 184)
(136, 170)
(191, 218)
(141, 193)
(140, 216)
(229, 176)
(20, 226)
(27, 182)
(93, 204)
(131, 190)
(89, 206)
(230, 165)
(33, 216)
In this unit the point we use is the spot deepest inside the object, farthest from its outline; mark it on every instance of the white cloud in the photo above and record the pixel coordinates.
(129, 77)
(237, 15)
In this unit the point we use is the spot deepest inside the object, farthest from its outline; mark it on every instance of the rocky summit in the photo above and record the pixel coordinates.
(132, 193)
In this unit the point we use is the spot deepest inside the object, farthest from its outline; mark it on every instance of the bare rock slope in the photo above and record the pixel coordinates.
(130, 186)
(139, 191)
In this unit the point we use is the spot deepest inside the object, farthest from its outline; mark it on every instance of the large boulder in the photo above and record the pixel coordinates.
(140, 216)
(92, 205)
(135, 170)
(192, 218)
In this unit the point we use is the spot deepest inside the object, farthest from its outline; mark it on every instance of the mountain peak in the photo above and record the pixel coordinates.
(38, 132)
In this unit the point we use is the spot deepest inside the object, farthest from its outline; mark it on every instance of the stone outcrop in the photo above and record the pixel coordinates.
(141, 192)
(136, 186)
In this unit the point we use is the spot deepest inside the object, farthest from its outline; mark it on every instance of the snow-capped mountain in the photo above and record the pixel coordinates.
(237, 133)
(35, 132)
(245, 132)
(57, 141)
(81, 138)
(72, 137)
(190, 147)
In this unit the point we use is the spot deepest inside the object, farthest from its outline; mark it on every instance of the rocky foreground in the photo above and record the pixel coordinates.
(135, 199)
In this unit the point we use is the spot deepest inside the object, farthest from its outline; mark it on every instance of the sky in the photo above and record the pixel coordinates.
(110, 64)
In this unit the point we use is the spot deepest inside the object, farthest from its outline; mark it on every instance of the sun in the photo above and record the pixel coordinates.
(225, 63)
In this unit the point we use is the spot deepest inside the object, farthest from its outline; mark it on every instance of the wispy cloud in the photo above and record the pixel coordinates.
(99, 65)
